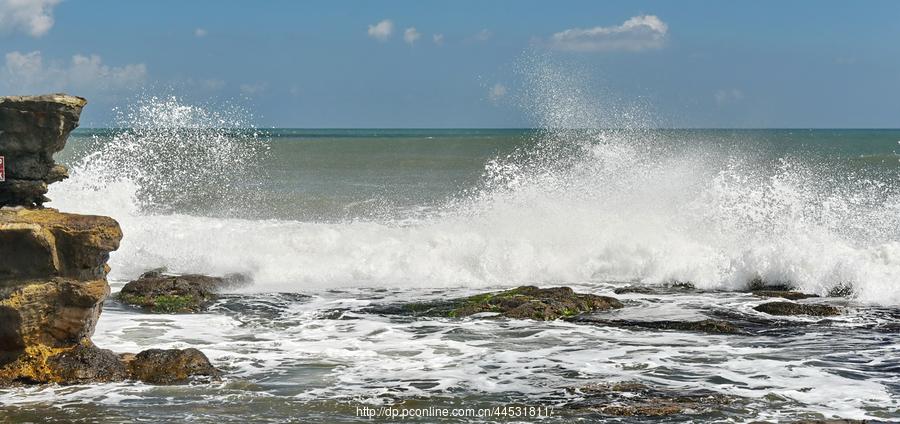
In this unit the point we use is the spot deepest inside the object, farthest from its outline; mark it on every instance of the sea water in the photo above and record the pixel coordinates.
(327, 222)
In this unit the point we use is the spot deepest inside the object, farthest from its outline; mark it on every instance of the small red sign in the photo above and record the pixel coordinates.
(2, 169)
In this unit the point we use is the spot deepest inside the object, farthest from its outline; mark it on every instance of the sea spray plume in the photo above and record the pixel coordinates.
(620, 202)
(177, 157)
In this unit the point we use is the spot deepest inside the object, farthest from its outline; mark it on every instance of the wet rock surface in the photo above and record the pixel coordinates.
(169, 366)
(32, 129)
(156, 291)
(52, 288)
(632, 399)
(526, 302)
(53, 265)
(792, 308)
(710, 326)
(785, 294)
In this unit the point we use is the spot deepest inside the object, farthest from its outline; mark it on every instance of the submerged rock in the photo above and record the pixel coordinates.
(710, 326)
(169, 366)
(791, 308)
(631, 399)
(32, 129)
(526, 302)
(158, 292)
(785, 294)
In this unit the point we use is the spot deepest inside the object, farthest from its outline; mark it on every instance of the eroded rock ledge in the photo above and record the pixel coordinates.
(53, 265)
(32, 129)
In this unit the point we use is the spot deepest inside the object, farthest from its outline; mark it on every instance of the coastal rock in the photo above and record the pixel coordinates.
(53, 265)
(632, 399)
(156, 291)
(45, 243)
(709, 326)
(526, 302)
(52, 286)
(791, 308)
(32, 129)
(169, 366)
(785, 294)
(674, 287)
(86, 363)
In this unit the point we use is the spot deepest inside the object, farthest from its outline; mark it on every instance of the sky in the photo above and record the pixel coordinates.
(446, 64)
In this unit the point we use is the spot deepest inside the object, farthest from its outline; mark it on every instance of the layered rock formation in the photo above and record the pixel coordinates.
(53, 265)
(52, 287)
(32, 129)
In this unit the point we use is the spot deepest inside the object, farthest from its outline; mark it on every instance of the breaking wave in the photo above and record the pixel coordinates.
(580, 204)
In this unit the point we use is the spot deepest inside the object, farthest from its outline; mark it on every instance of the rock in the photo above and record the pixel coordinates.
(791, 308)
(52, 287)
(526, 302)
(44, 243)
(674, 287)
(786, 294)
(710, 326)
(32, 129)
(53, 265)
(631, 399)
(169, 366)
(87, 364)
(158, 292)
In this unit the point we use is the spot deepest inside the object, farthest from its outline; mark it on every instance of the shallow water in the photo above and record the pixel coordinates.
(319, 358)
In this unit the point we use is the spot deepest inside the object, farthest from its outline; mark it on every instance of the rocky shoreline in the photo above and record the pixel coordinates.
(53, 265)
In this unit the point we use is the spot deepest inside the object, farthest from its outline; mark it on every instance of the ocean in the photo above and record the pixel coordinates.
(327, 222)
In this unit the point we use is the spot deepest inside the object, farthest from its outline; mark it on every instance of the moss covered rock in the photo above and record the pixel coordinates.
(526, 302)
(158, 292)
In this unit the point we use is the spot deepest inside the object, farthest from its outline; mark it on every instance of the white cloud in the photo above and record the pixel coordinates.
(411, 35)
(637, 33)
(497, 92)
(254, 88)
(200, 32)
(725, 96)
(382, 30)
(27, 73)
(438, 39)
(34, 17)
(483, 35)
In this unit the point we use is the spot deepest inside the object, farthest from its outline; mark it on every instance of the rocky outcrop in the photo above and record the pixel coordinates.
(710, 326)
(53, 265)
(52, 286)
(784, 294)
(633, 399)
(791, 308)
(32, 129)
(156, 291)
(526, 302)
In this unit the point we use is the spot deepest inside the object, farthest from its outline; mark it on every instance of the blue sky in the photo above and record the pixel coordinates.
(318, 64)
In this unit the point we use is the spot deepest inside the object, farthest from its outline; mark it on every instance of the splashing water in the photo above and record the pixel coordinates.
(171, 156)
(578, 205)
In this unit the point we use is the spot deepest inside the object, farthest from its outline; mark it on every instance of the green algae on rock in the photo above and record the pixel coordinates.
(158, 292)
(526, 302)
